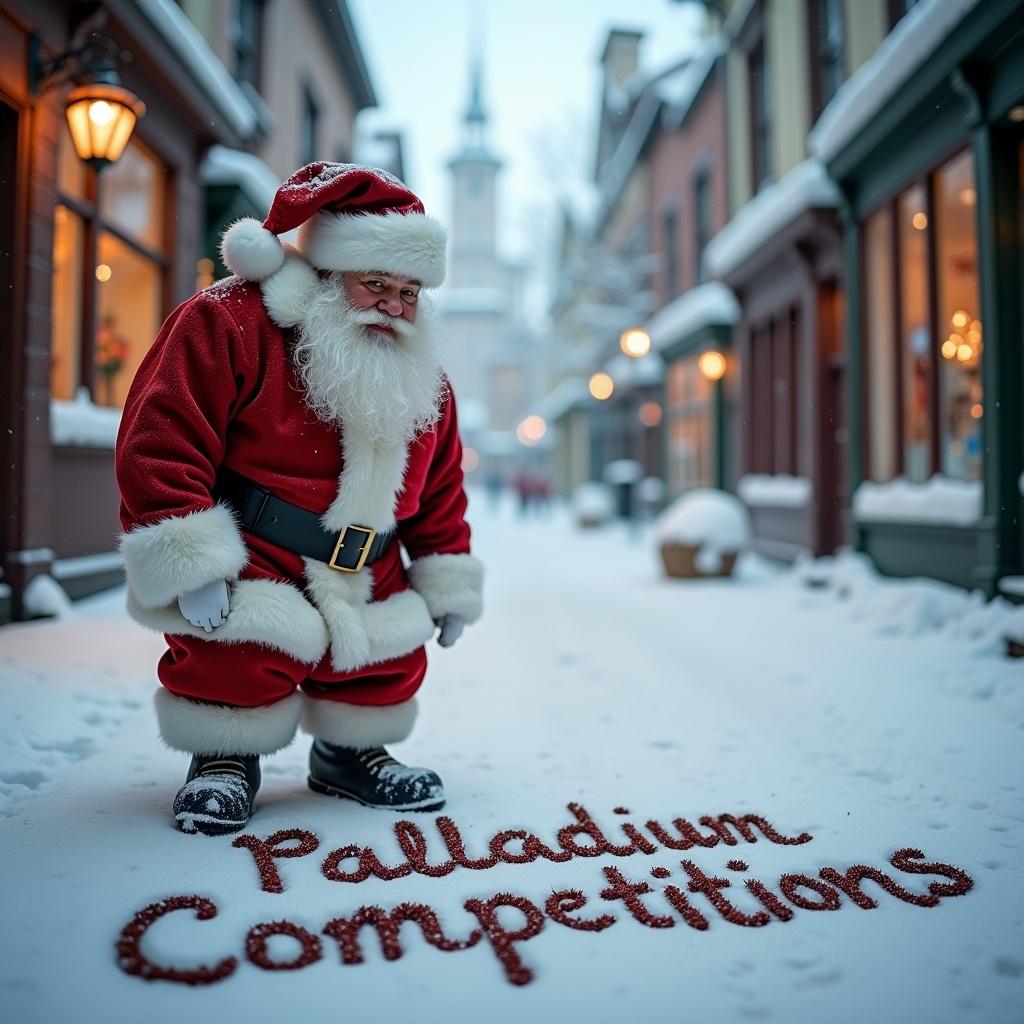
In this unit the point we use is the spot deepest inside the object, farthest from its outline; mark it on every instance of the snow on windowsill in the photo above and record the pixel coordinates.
(1012, 585)
(806, 187)
(81, 424)
(917, 35)
(223, 166)
(778, 490)
(707, 304)
(942, 500)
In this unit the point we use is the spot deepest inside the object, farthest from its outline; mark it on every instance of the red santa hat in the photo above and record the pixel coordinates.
(349, 218)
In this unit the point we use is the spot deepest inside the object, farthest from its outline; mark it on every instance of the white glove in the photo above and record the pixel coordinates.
(451, 627)
(206, 606)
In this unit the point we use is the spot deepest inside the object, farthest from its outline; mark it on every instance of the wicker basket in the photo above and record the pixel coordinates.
(680, 561)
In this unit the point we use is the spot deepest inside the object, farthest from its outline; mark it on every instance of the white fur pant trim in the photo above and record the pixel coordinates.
(357, 725)
(194, 727)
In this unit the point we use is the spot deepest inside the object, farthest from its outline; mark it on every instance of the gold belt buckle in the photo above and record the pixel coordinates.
(364, 549)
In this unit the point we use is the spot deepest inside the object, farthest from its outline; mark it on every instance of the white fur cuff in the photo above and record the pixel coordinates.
(181, 553)
(197, 728)
(357, 725)
(450, 584)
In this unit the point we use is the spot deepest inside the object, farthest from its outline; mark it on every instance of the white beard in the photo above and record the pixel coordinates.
(387, 389)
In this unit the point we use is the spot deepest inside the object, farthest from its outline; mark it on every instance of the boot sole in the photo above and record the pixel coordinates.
(326, 789)
(207, 825)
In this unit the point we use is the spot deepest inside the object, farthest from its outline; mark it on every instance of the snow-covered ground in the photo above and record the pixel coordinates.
(856, 718)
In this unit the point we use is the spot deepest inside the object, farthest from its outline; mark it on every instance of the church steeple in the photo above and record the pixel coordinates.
(474, 120)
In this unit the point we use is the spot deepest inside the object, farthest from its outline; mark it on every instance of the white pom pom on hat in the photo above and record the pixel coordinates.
(249, 250)
(353, 218)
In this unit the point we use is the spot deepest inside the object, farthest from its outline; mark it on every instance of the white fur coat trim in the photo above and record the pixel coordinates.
(197, 728)
(180, 553)
(371, 479)
(287, 293)
(450, 584)
(262, 611)
(406, 245)
(358, 725)
(363, 632)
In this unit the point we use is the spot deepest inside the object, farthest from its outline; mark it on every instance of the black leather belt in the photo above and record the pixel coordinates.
(288, 526)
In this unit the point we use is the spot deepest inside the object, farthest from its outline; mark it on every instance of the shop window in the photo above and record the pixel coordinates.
(914, 240)
(690, 399)
(923, 330)
(880, 324)
(66, 301)
(959, 320)
(109, 263)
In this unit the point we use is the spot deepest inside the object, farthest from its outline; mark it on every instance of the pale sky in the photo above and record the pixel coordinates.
(541, 87)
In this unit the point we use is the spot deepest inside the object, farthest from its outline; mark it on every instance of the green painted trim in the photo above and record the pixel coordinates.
(720, 334)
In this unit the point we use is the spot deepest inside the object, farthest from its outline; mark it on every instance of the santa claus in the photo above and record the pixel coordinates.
(289, 433)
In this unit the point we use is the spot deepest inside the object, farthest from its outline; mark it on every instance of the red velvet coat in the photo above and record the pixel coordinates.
(218, 388)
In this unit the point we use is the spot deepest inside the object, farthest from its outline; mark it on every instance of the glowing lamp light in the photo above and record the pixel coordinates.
(960, 319)
(531, 430)
(949, 347)
(635, 342)
(650, 414)
(920, 221)
(103, 272)
(601, 386)
(964, 353)
(1017, 114)
(976, 410)
(470, 460)
(712, 365)
(968, 196)
(101, 118)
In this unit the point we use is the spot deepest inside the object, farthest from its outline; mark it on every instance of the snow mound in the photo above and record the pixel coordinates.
(593, 501)
(939, 500)
(711, 520)
(45, 596)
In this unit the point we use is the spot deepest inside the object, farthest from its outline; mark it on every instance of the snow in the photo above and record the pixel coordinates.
(623, 471)
(869, 714)
(565, 396)
(45, 596)
(1012, 585)
(711, 520)
(593, 501)
(489, 301)
(778, 490)
(941, 500)
(81, 424)
(916, 36)
(706, 305)
(627, 371)
(223, 166)
(209, 74)
(806, 187)
(86, 565)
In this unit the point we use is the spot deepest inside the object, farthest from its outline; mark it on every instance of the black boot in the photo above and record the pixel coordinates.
(373, 777)
(218, 794)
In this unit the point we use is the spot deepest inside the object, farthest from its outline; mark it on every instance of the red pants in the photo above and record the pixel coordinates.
(250, 675)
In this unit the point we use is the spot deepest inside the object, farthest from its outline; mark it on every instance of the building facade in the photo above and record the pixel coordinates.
(96, 260)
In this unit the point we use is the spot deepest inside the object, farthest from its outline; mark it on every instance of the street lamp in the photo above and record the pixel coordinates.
(100, 112)
(635, 342)
(531, 430)
(601, 386)
(712, 364)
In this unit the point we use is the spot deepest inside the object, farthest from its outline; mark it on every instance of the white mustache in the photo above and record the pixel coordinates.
(375, 317)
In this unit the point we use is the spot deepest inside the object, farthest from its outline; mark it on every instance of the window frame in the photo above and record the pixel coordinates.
(825, 53)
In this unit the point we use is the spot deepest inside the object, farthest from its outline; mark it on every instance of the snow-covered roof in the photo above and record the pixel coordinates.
(679, 90)
(707, 304)
(940, 500)
(207, 71)
(80, 424)
(223, 166)
(901, 53)
(807, 186)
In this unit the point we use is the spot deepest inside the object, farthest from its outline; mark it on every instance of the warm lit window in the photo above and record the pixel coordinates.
(959, 326)
(880, 325)
(923, 330)
(108, 271)
(690, 423)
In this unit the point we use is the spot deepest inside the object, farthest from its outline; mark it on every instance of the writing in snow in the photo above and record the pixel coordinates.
(582, 837)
